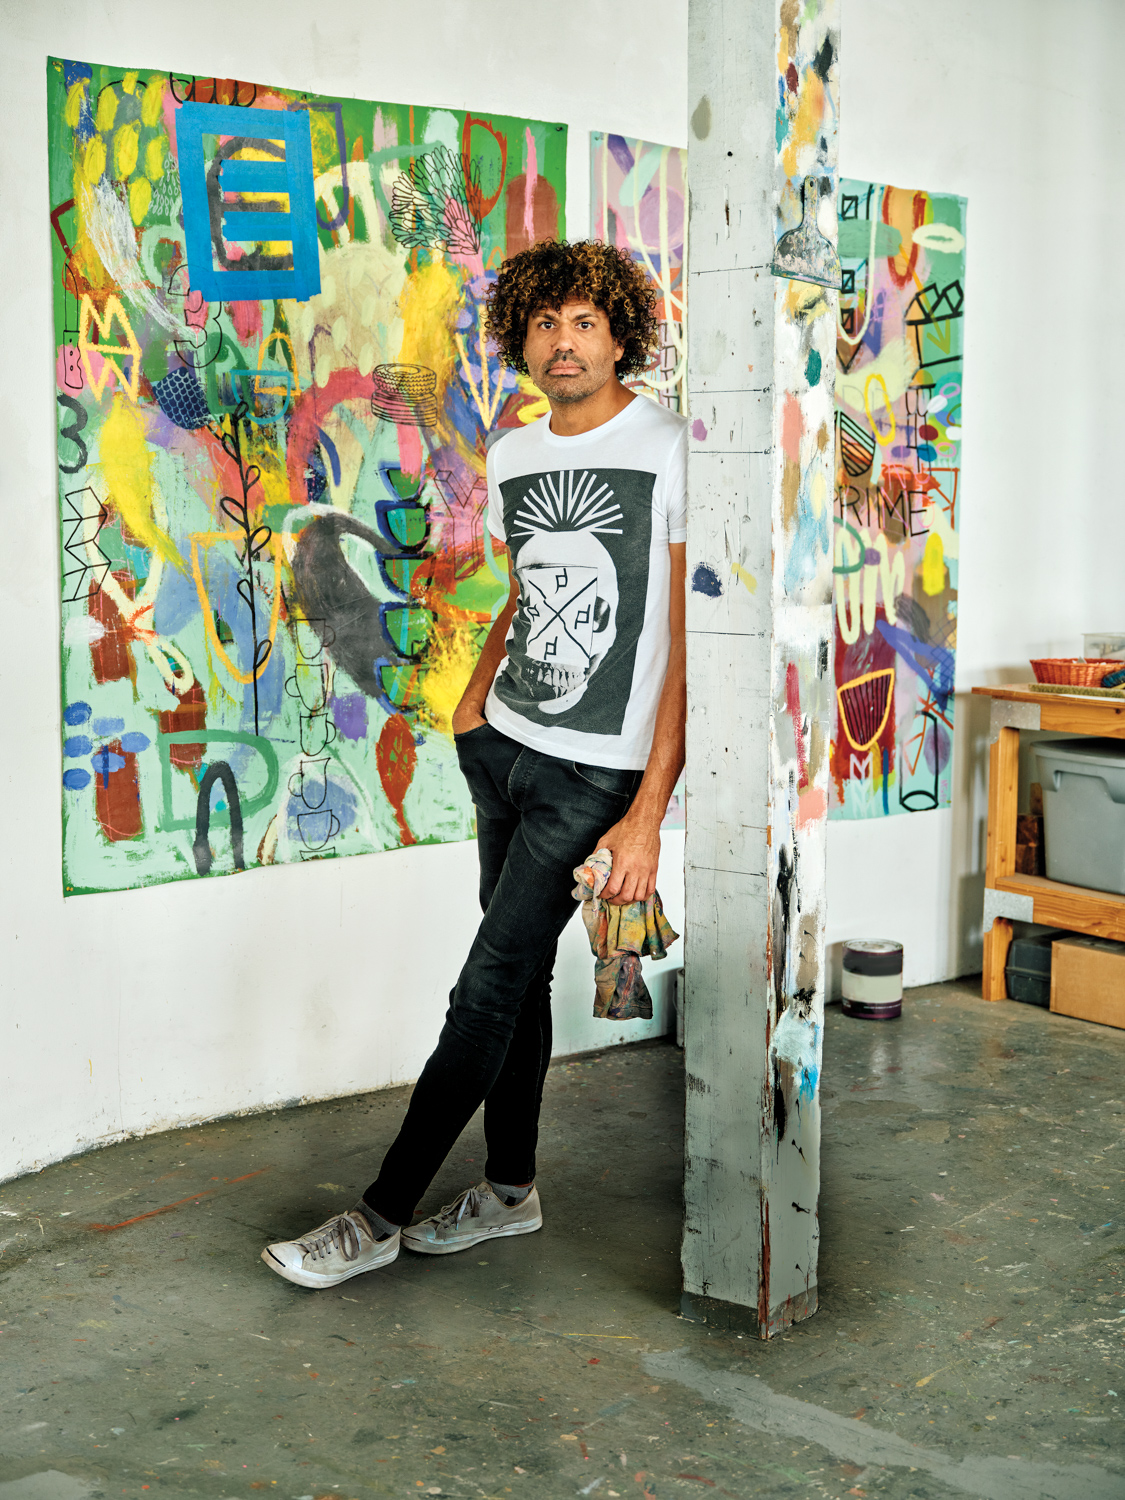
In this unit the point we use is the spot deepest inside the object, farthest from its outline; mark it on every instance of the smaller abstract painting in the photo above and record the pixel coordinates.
(638, 201)
(899, 342)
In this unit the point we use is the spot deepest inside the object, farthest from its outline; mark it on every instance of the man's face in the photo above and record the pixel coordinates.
(570, 351)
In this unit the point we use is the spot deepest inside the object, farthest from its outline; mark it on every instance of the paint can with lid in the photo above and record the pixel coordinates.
(872, 985)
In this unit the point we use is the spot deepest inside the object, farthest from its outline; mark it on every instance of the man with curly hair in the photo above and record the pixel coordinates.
(570, 735)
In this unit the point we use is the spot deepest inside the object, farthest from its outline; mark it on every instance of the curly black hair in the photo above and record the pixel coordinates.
(552, 272)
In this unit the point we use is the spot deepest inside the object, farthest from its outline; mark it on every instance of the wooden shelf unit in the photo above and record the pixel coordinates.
(1010, 897)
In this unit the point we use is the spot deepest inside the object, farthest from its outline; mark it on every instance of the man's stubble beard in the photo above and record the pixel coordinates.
(566, 393)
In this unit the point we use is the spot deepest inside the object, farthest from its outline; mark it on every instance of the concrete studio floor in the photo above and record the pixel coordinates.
(968, 1340)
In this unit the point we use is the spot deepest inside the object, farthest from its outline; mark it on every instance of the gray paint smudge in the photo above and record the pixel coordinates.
(337, 602)
(755, 1405)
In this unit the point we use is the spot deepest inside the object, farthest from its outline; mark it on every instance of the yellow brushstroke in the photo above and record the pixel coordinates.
(153, 101)
(804, 302)
(429, 306)
(126, 145)
(129, 82)
(933, 565)
(154, 158)
(883, 438)
(817, 492)
(140, 198)
(745, 576)
(107, 109)
(75, 98)
(325, 152)
(213, 538)
(125, 460)
(451, 665)
(93, 163)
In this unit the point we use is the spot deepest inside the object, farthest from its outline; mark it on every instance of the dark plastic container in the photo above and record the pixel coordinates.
(1028, 970)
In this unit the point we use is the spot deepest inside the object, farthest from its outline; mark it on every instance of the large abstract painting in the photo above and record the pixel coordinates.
(898, 471)
(274, 400)
(638, 202)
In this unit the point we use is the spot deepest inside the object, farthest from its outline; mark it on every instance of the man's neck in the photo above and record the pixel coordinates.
(571, 419)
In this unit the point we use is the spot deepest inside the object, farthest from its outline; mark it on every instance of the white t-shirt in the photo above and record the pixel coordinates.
(588, 521)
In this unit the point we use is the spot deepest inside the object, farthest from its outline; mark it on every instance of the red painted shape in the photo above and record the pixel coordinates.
(118, 797)
(56, 215)
(110, 656)
(919, 215)
(544, 214)
(247, 320)
(928, 432)
(792, 82)
(189, 713)
(793, 704)
(152, 1214)
(309, 412)
(396, 758)
(480, 206)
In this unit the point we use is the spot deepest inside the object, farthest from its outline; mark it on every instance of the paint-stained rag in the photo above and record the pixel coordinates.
(619, 937)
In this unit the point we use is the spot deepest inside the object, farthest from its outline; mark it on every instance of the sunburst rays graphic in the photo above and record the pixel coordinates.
(568, 501)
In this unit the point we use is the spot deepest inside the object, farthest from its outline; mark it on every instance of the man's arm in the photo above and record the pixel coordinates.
(635, 840)
(469, 713)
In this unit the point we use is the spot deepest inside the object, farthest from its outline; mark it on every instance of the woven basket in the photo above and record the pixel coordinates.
(1073, 670)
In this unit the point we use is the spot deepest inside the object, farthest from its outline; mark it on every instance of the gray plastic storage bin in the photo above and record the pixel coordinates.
(1084, 811)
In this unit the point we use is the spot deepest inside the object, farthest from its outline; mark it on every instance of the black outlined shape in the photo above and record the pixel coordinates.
(218, 770)
(88, 515)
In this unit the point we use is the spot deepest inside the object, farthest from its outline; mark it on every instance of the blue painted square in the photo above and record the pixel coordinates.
(211, 226)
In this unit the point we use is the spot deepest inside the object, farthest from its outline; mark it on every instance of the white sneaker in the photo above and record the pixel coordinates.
(477, 1215)
(336, 1251)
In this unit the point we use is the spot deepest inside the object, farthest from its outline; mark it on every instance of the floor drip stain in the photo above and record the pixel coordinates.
(969, 1338)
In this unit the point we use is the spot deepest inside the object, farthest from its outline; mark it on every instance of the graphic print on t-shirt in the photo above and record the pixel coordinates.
(579, 540)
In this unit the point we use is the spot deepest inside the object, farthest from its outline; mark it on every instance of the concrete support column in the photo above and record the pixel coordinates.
(761, 365)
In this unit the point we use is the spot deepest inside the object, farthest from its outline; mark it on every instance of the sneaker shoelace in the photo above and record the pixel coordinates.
(452, 1214)
(340, 1232)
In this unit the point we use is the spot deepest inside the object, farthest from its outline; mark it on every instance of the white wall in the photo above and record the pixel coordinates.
(137, 1011)
(1013, 104)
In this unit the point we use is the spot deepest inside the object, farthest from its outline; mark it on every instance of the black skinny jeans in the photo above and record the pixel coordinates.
(537, 818)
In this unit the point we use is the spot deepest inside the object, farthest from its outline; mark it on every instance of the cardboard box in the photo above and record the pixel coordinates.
(1088, 979)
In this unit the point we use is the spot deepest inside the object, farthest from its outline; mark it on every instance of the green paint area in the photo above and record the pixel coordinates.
(855, 239)
(813, 367)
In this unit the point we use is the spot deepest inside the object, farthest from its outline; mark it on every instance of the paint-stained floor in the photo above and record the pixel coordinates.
(969, 1338)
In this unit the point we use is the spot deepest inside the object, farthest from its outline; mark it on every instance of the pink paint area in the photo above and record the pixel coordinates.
(196, 311)
(812, 805)
(792, 428)
(698, 431)
(409, 450)
(247, 320)
(531, 177)
(793, 705)
(69, 374)
(91, 367)
(309, 411)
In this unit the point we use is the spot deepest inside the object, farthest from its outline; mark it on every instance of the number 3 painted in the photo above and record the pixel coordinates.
(81, 417)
